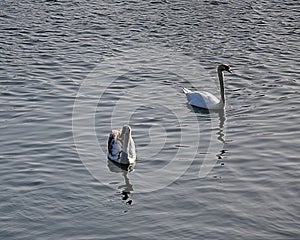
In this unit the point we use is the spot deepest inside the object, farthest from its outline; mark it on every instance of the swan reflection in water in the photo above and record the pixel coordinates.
(123, 169)
(215, 150)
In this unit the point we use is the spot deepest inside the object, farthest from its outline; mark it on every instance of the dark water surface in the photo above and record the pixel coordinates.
(72, 70)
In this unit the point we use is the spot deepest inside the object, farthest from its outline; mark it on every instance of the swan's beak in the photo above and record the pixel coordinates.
(229, 70)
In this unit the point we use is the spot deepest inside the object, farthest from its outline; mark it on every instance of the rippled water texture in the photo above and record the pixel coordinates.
(73, 70)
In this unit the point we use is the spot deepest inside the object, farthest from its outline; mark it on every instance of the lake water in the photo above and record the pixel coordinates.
(73, 70)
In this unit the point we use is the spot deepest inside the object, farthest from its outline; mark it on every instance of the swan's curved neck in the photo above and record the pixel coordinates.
(222, 90)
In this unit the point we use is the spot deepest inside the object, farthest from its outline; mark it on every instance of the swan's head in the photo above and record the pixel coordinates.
(126, 130)
(224, 67)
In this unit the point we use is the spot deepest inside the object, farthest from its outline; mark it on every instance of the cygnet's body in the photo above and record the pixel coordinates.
(121, 147)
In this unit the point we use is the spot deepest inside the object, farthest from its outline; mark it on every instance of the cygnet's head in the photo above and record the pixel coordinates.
(225, 67)
(126, 129)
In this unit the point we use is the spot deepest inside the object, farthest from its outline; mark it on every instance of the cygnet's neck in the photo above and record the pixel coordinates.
(125, 143)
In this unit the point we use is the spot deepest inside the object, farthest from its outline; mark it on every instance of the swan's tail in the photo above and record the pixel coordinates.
(185, 90)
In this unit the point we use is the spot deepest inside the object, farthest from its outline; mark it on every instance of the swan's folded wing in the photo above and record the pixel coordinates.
(209, 98)
(202, 99)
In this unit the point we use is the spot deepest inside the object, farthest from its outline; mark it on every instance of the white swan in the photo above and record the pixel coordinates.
(121, 147)
(206, 100)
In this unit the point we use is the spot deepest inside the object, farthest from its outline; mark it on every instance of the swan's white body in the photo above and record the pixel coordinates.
(203, 99)
(121, 147)
(206, 100)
